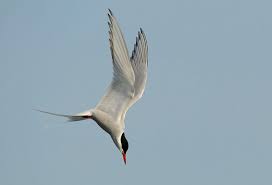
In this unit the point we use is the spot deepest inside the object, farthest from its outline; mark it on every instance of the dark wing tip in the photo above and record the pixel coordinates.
(110, 12)
(109, 23)
(142, 32)
(109, 16)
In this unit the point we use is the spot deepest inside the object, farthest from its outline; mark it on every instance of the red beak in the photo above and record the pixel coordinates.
(124, 157)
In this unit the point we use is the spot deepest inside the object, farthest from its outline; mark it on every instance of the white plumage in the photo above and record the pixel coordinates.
(127, 86)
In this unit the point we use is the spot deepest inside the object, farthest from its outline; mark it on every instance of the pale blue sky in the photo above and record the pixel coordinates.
(205, 118)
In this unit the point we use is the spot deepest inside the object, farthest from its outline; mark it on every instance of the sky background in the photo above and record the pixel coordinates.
(205, 117)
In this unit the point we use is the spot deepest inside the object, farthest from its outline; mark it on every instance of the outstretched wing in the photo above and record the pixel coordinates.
(139, 62)
(121, 90)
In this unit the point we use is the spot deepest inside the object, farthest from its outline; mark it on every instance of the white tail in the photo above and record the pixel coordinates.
(77, 117)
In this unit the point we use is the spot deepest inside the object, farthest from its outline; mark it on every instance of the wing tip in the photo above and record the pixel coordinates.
(110, 12)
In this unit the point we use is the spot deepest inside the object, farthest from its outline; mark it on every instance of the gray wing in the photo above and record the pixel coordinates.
(139, 61)
(121, 90)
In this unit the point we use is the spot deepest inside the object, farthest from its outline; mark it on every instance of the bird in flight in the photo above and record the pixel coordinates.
(126, 88)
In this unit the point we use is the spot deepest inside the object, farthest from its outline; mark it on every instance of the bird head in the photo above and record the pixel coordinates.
(124, 146)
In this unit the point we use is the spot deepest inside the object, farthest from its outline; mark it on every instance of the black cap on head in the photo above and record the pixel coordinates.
(124, 143)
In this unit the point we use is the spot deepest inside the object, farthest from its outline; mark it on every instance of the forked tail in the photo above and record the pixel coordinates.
(76, 117)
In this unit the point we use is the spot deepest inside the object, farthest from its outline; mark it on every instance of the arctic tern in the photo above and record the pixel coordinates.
(127, 86)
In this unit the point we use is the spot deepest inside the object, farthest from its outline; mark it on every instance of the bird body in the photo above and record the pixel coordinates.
(127, 86)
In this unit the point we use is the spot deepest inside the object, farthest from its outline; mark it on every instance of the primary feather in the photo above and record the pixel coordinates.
(129, 73)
